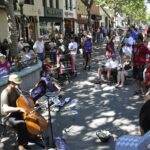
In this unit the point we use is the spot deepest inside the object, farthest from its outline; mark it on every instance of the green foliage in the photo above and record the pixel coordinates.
(134, 9)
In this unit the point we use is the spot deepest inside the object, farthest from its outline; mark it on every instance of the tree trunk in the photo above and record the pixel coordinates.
(89, 18)
(12, 34)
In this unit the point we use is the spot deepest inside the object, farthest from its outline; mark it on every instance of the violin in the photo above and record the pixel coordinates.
(36, 124)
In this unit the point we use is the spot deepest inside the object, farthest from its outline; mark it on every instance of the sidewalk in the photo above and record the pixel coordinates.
(98, 107)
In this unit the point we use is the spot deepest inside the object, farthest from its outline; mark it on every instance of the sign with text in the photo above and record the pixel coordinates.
(52, 12)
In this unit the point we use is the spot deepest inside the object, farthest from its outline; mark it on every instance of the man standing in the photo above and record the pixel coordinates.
(73, 51)
(139, 60)
(39, 48)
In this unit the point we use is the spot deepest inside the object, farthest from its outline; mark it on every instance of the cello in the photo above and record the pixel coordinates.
(36, 124)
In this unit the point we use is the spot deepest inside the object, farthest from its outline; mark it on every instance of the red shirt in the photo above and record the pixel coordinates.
(139, 55)
(46, 67)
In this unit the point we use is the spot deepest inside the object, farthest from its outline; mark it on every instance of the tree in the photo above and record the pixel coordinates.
(88, 4)
(12, 34)
(134, 9)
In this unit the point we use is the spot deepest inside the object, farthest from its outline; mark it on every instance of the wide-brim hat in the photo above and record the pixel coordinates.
(15, 78)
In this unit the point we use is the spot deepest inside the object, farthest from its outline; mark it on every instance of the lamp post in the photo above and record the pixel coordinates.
(21, 3)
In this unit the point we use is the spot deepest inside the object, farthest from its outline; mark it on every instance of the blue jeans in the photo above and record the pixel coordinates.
(41, 56)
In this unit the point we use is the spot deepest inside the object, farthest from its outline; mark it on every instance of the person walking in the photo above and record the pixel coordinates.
(73, 46)
(87, 50)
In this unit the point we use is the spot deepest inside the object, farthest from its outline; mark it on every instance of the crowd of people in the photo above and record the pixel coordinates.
(132, 55)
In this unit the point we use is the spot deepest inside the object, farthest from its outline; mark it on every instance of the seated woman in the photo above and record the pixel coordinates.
(4, 65)
(110, 68)
(49, 70)
(123, 69)
(27, 54)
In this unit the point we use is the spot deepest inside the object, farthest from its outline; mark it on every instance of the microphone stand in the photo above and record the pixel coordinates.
(50, 128)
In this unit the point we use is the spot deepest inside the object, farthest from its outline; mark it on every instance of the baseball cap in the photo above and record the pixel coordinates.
(15, 78)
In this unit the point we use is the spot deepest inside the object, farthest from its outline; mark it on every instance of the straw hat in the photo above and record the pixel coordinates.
(15, 78)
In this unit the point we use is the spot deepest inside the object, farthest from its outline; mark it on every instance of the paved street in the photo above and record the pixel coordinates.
(98, 107)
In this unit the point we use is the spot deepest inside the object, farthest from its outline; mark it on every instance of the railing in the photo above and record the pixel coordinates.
(18, 66)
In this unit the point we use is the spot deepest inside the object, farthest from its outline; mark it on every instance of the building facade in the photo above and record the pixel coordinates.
(42, 17)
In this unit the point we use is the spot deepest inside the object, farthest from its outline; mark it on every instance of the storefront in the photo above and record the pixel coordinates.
(52, 21)
(30, 27)
(82, 21)
(96, 21)
(69, 22)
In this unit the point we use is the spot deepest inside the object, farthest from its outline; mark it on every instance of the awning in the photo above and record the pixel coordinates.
(82, 19)
(71, 19)
(50, 19)
(95, 10)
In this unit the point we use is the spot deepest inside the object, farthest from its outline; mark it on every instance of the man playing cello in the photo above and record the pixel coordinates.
(9, 97)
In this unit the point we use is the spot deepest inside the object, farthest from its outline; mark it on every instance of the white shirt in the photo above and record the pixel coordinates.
(112, 64)
(73, 48)
(39, 46)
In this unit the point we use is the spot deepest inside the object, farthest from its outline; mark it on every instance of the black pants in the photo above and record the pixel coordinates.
(16, 121)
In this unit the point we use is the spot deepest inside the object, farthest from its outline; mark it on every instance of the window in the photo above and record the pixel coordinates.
(66, 4)
(70, 4)
(44, 3)
(15, 4)
(30, 2)
(57, 4)
(51, 4)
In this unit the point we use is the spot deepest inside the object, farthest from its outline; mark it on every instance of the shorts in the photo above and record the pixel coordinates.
(138, 73)
(86, 55)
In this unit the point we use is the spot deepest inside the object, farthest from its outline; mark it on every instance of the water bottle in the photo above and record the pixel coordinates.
(60, 144)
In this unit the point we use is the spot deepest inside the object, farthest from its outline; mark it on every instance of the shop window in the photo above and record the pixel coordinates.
(57, 4)
(15, 4)
(66, 4)
(51, 3)
(70, 4)
(44, 3)
(30, 2)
